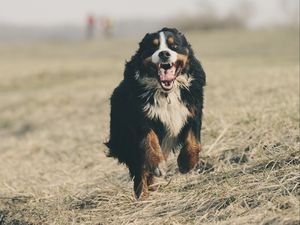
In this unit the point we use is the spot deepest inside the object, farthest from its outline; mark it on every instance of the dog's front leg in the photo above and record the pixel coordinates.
(189, 154)
(154, 157)
(140, 185)
(152, 161)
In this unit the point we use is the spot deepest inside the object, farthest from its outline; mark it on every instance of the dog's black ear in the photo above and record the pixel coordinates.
(145, 37)
(134, 65)
(143, 41)
(184, 40)
(194, 66)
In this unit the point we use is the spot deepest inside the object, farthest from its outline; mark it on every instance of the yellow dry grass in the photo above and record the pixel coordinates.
(54, 116)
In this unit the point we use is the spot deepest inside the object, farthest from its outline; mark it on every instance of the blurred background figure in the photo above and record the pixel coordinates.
(106, 25)
(62, 20)
(90, 26)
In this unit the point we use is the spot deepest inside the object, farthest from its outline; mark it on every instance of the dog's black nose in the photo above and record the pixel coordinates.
(164, 55)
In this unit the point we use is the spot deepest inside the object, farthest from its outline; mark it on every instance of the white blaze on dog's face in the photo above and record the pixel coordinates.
(165, 59)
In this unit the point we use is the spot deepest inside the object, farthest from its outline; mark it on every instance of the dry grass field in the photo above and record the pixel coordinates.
(54, 116)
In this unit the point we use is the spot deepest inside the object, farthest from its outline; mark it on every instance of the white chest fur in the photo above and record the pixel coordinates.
(170, 110)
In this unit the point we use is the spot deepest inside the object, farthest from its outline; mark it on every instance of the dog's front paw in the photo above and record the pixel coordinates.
(187, 161)
(160, 170)
(140, 188)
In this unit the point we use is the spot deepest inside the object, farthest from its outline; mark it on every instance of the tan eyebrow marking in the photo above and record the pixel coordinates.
(155, 41)
(170, 40)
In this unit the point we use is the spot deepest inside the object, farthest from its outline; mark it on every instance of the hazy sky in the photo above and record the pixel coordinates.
(54, 12)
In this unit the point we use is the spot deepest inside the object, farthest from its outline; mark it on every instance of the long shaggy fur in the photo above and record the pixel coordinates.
(148, 122)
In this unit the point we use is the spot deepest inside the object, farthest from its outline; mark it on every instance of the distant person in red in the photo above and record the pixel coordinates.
(90, 26)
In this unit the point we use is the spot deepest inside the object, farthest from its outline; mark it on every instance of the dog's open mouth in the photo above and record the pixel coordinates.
(168, 73)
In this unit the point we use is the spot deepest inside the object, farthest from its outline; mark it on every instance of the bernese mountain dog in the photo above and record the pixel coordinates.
(157, 108)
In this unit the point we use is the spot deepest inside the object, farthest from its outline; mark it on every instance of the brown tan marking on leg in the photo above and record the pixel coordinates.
(153, 156)
(189, 154)
(153, 151)
(150, 182)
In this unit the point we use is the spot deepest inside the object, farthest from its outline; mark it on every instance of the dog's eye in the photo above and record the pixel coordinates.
(175, 46)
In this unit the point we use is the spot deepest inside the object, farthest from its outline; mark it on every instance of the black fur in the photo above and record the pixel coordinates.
(129, 125)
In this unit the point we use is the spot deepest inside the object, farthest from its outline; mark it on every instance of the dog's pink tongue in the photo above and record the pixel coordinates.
(167, 75)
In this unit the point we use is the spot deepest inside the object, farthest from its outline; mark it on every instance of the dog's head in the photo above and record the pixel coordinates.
(163, 57)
